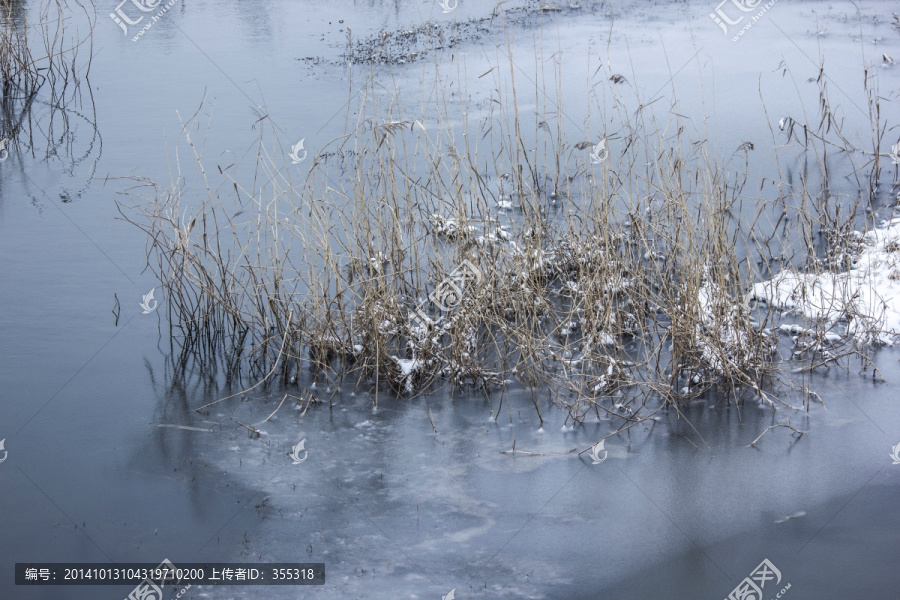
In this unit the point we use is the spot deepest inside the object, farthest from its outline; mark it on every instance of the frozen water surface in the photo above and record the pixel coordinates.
(108, 461)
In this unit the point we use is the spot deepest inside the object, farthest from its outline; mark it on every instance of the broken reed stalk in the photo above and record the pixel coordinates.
(770, 427)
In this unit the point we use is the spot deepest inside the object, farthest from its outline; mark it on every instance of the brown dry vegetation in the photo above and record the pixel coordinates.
(611, 283)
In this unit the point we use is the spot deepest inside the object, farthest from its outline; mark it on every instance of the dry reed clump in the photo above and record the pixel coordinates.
(614, 283)
(40, 49)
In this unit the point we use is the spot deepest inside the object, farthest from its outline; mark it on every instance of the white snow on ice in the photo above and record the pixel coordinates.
(865, 301)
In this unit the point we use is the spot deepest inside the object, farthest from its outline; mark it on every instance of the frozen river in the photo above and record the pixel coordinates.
(106, 459)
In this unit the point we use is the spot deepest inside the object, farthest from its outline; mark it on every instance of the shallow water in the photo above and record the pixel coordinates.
(392, 508)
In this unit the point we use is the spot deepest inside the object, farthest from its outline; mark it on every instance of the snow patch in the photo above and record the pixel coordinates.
(865, 300)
